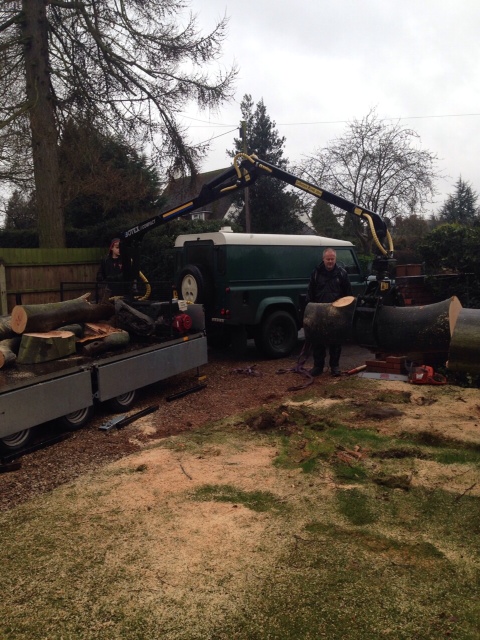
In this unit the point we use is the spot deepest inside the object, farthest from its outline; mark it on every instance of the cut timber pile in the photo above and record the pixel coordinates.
(49, 331)
(45, 317)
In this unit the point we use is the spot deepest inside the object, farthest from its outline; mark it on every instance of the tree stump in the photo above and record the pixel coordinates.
(46, 317)
(424, 329)
(464, 353)
(43, 347)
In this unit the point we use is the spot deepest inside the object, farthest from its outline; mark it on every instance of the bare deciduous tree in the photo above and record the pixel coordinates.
(128, 65)
(378, 166)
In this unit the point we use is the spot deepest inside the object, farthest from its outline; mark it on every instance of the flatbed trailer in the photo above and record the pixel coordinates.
(68, 389)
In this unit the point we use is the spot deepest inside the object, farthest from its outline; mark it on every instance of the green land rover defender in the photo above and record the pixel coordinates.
(254, 285)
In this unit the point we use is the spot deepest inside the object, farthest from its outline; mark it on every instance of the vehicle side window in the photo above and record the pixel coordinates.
(346, 258)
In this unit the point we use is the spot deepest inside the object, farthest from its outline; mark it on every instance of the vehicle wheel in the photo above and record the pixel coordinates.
(278, 335)
(16, 441)
(123, 402)
(76, 419)
(194, 286)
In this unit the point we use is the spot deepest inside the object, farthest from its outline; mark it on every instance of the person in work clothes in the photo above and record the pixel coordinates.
(328, 282)
(111, 269)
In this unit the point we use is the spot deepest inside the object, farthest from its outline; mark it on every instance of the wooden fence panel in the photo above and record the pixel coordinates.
(34, 276)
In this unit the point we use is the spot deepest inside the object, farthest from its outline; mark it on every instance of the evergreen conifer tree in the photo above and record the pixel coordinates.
(273, 209)
(460, 207)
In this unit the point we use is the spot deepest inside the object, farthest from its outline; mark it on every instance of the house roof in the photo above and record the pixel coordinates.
(181, 190)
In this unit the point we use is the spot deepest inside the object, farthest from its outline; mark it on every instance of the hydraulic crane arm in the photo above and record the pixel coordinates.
(246, 169)
(255, 167)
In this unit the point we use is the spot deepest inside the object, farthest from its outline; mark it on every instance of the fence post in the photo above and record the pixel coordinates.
(3, 291)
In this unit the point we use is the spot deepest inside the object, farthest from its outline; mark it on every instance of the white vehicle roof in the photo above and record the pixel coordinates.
(224, 237)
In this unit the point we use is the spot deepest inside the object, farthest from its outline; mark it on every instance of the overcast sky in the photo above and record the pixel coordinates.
(318, 65)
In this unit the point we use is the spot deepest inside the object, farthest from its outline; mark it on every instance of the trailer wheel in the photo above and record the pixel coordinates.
(76, 419)
(16, 440)
(120, 403)
(278, 335)
(194, 286)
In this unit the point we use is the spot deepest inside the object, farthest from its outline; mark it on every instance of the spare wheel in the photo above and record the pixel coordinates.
(194, 286)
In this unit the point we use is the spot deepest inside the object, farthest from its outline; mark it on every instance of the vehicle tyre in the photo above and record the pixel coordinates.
(76, 420)
(278, 334)
(194, 285)
(123, 402)
(16, 441)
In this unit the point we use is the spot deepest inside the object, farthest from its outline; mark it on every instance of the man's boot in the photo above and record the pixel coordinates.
(317, 369)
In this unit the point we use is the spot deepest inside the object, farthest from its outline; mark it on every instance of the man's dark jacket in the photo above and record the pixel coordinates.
(328, 286)
(111, 272)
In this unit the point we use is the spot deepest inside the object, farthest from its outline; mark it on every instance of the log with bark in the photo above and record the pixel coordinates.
(111, 342)
(8, 351)
(6, 330)
(43, 347)
(46, 317)
(404, 330)
(329, 319)
(464, 353)
(77, 329)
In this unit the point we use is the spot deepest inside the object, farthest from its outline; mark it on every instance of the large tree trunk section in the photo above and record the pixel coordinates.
(49, 316)
(404, 330)
(6, 330)
(401, 330)
(114, 341)
(8, 351)
(43, 347)
(329, 319)
(464, 353)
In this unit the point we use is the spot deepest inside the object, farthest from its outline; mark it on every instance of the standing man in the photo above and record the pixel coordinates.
(328, 283)
(111, 269)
